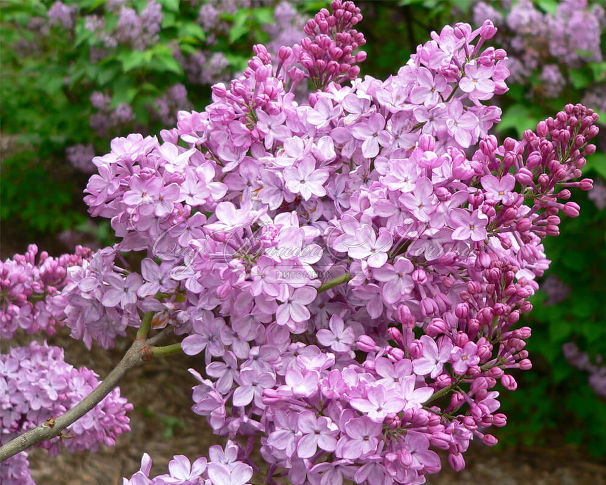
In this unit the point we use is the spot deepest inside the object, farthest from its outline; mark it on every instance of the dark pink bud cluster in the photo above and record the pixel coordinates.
(27, 284)
(328, 53)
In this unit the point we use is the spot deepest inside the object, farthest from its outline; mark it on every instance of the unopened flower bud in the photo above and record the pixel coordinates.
(456, 461)
(571, 209)
(509, 382)
(489, 440)
(525, 364)
(366, 343)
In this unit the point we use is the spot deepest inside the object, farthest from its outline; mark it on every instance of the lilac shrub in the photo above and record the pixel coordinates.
(549, 43)
(351, 270)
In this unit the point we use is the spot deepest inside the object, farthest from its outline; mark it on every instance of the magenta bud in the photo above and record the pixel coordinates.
(564, 194)
(415, 348)
(571, 209)
(436, 327)
(419, 276)
(524, 176)
(523, 332)
(525, 364)
(427, 142)
(470, 423)
(542, 129)
(485, 315)
(443, 380)
(284, 53)
(462, 339)
(484, 353)
(473, 325)
(360, 56)
(397, 354)
(366, 343)
(396, 335)
(405, 317)
(509, 382)
(499, 420)
(489, 440)
(456, 461)
(488, 30)
(485, 260)
(586, 184)
(456, 400)
(526, 307)
(462, 310)
(495, 372)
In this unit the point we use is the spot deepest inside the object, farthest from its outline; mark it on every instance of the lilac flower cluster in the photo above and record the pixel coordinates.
(81, 156)
(222, 468)
(598, 194)
(106, 119)
(556, 290)
(207, 68)
(169, 104)
(536, 40)
(597, 370)
(137, 30)
(210, 12)
(36, 384)
(287, 29)
(28, 288)
(351, 269)
(61, 14)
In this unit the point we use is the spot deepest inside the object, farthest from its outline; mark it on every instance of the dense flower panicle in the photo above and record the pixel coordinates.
(36, 384)
(381, 217)
(370, 181)
(29, 286)
(535, 40)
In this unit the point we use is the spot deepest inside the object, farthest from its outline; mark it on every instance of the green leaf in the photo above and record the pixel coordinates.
(240, 26)
(170, 5)
(134, 59)
(124, 91)
(549, 6)
(519, 117)
(237, 61)
(164, 60)
(599, 70)
(580, 78)
(597, 162)
(169, 20)
(107, 73)
(264, 15)
(191, 30)
(463, 5)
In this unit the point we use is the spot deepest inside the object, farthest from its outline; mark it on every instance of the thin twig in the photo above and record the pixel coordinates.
(139, 352)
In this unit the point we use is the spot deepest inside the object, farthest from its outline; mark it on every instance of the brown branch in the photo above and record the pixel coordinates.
(134, 357)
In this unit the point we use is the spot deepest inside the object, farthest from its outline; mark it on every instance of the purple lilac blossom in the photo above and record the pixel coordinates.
(367, 214)
(37, 384)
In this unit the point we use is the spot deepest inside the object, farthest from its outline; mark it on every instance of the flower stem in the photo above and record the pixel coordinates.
(344, 278)
(166, 350)
(145, 326)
